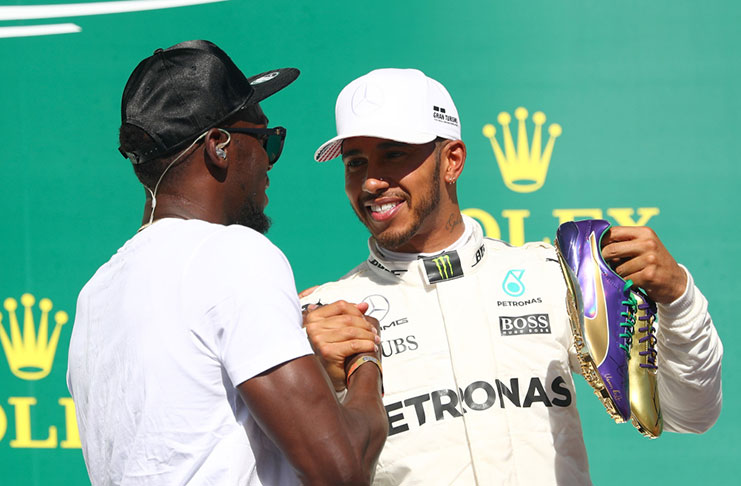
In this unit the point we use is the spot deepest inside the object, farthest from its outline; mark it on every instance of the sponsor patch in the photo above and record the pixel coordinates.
(378, 306)
(445, 266)
(439, 114)
(519, 303)
(529, 324)
(512, 283)
(479, 255)
(416, 411)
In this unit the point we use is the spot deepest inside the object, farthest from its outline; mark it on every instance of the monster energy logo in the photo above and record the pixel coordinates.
(445, 266)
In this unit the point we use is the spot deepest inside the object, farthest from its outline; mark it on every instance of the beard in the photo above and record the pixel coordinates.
(253, 216)
(426, 204)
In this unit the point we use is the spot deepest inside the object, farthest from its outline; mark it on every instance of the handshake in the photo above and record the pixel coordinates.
(343, 338)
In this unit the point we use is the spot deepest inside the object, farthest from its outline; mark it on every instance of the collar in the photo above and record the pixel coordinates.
(458, 260)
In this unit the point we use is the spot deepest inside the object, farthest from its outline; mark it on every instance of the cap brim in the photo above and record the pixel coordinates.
(329, 150)
(333, 147)
(270, 82)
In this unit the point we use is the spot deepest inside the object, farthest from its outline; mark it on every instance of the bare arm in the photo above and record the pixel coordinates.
(326, 442)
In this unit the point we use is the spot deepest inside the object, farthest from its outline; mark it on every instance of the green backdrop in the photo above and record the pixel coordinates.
(646, 95)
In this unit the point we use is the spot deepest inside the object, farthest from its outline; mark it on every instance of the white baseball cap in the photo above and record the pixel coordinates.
(402, 105)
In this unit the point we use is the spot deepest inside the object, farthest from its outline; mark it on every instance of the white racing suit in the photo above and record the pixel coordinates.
(478, 361)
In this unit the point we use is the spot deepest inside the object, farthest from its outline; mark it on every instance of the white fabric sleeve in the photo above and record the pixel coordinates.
(689, 359)
(258, 325)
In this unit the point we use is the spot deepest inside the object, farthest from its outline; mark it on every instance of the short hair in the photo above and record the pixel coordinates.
(131, 137)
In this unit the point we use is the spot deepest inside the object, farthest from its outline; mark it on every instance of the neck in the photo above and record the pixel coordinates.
(171, 206)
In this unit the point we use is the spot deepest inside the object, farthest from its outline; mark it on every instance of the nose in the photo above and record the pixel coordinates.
(375, 180)
(374, 184)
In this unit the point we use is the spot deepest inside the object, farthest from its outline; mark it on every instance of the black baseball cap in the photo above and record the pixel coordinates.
(180, 92)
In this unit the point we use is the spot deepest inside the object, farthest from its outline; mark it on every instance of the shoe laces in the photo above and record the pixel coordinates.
(650, 334)
(629, 314)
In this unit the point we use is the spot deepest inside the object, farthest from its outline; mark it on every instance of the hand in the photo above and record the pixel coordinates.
(337, 331)
(306, 292)
(636, 253)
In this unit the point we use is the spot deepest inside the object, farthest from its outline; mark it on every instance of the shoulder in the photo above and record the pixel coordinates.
(531, 247)
(239, 243)
(240, 238)
(236, 253)
(355, 278)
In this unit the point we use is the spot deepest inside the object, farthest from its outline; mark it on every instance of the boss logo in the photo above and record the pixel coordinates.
(529, 324)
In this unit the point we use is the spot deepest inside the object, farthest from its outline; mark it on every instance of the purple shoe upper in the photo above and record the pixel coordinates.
(609, 309)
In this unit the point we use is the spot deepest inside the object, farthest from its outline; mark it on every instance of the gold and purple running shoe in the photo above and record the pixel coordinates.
(642, 367)
(603, 337)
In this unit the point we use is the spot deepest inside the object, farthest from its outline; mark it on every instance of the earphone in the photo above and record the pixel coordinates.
(220, 152)
(220, 147)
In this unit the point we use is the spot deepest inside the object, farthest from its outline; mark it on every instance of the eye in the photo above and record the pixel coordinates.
(394, 154)
(354, 163)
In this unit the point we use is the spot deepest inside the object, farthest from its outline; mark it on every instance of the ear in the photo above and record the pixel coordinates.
(215, 148)
(454, 158)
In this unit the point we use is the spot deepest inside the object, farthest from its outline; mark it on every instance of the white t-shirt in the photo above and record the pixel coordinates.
(183, 313)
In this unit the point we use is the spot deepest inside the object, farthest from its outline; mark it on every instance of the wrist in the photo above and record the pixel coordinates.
(356, 363)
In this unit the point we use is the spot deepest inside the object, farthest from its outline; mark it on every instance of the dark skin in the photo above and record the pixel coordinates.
(211, 188)
(325, 441)
(383, 172)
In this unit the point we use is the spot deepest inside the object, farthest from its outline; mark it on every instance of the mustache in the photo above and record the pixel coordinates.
(389, 193)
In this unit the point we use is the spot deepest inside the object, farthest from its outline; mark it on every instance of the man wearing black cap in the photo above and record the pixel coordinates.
(187, 362)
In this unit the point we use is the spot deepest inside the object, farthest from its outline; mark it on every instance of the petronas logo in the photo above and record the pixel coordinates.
(512, 284)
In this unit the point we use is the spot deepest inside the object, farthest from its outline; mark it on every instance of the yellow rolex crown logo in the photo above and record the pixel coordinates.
(30, 353)
(523, 168)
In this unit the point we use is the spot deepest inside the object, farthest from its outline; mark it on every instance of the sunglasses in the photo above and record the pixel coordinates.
(272, 139)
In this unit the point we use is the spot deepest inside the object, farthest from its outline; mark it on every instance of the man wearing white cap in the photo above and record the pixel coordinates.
(467, 402)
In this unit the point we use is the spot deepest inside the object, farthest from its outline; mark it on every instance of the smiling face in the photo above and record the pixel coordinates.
(397, 192)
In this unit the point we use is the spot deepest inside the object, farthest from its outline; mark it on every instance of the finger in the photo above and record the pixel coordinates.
(316, 325)
(624, 233)
(338, 352)
(615, 234)
(624, 250)
(340, 307)
(631, 269)
(306, 309)
(373, 322)
(344, 334)
(306, 292)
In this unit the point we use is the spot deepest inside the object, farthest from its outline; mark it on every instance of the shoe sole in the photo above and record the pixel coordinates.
(587, 363)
